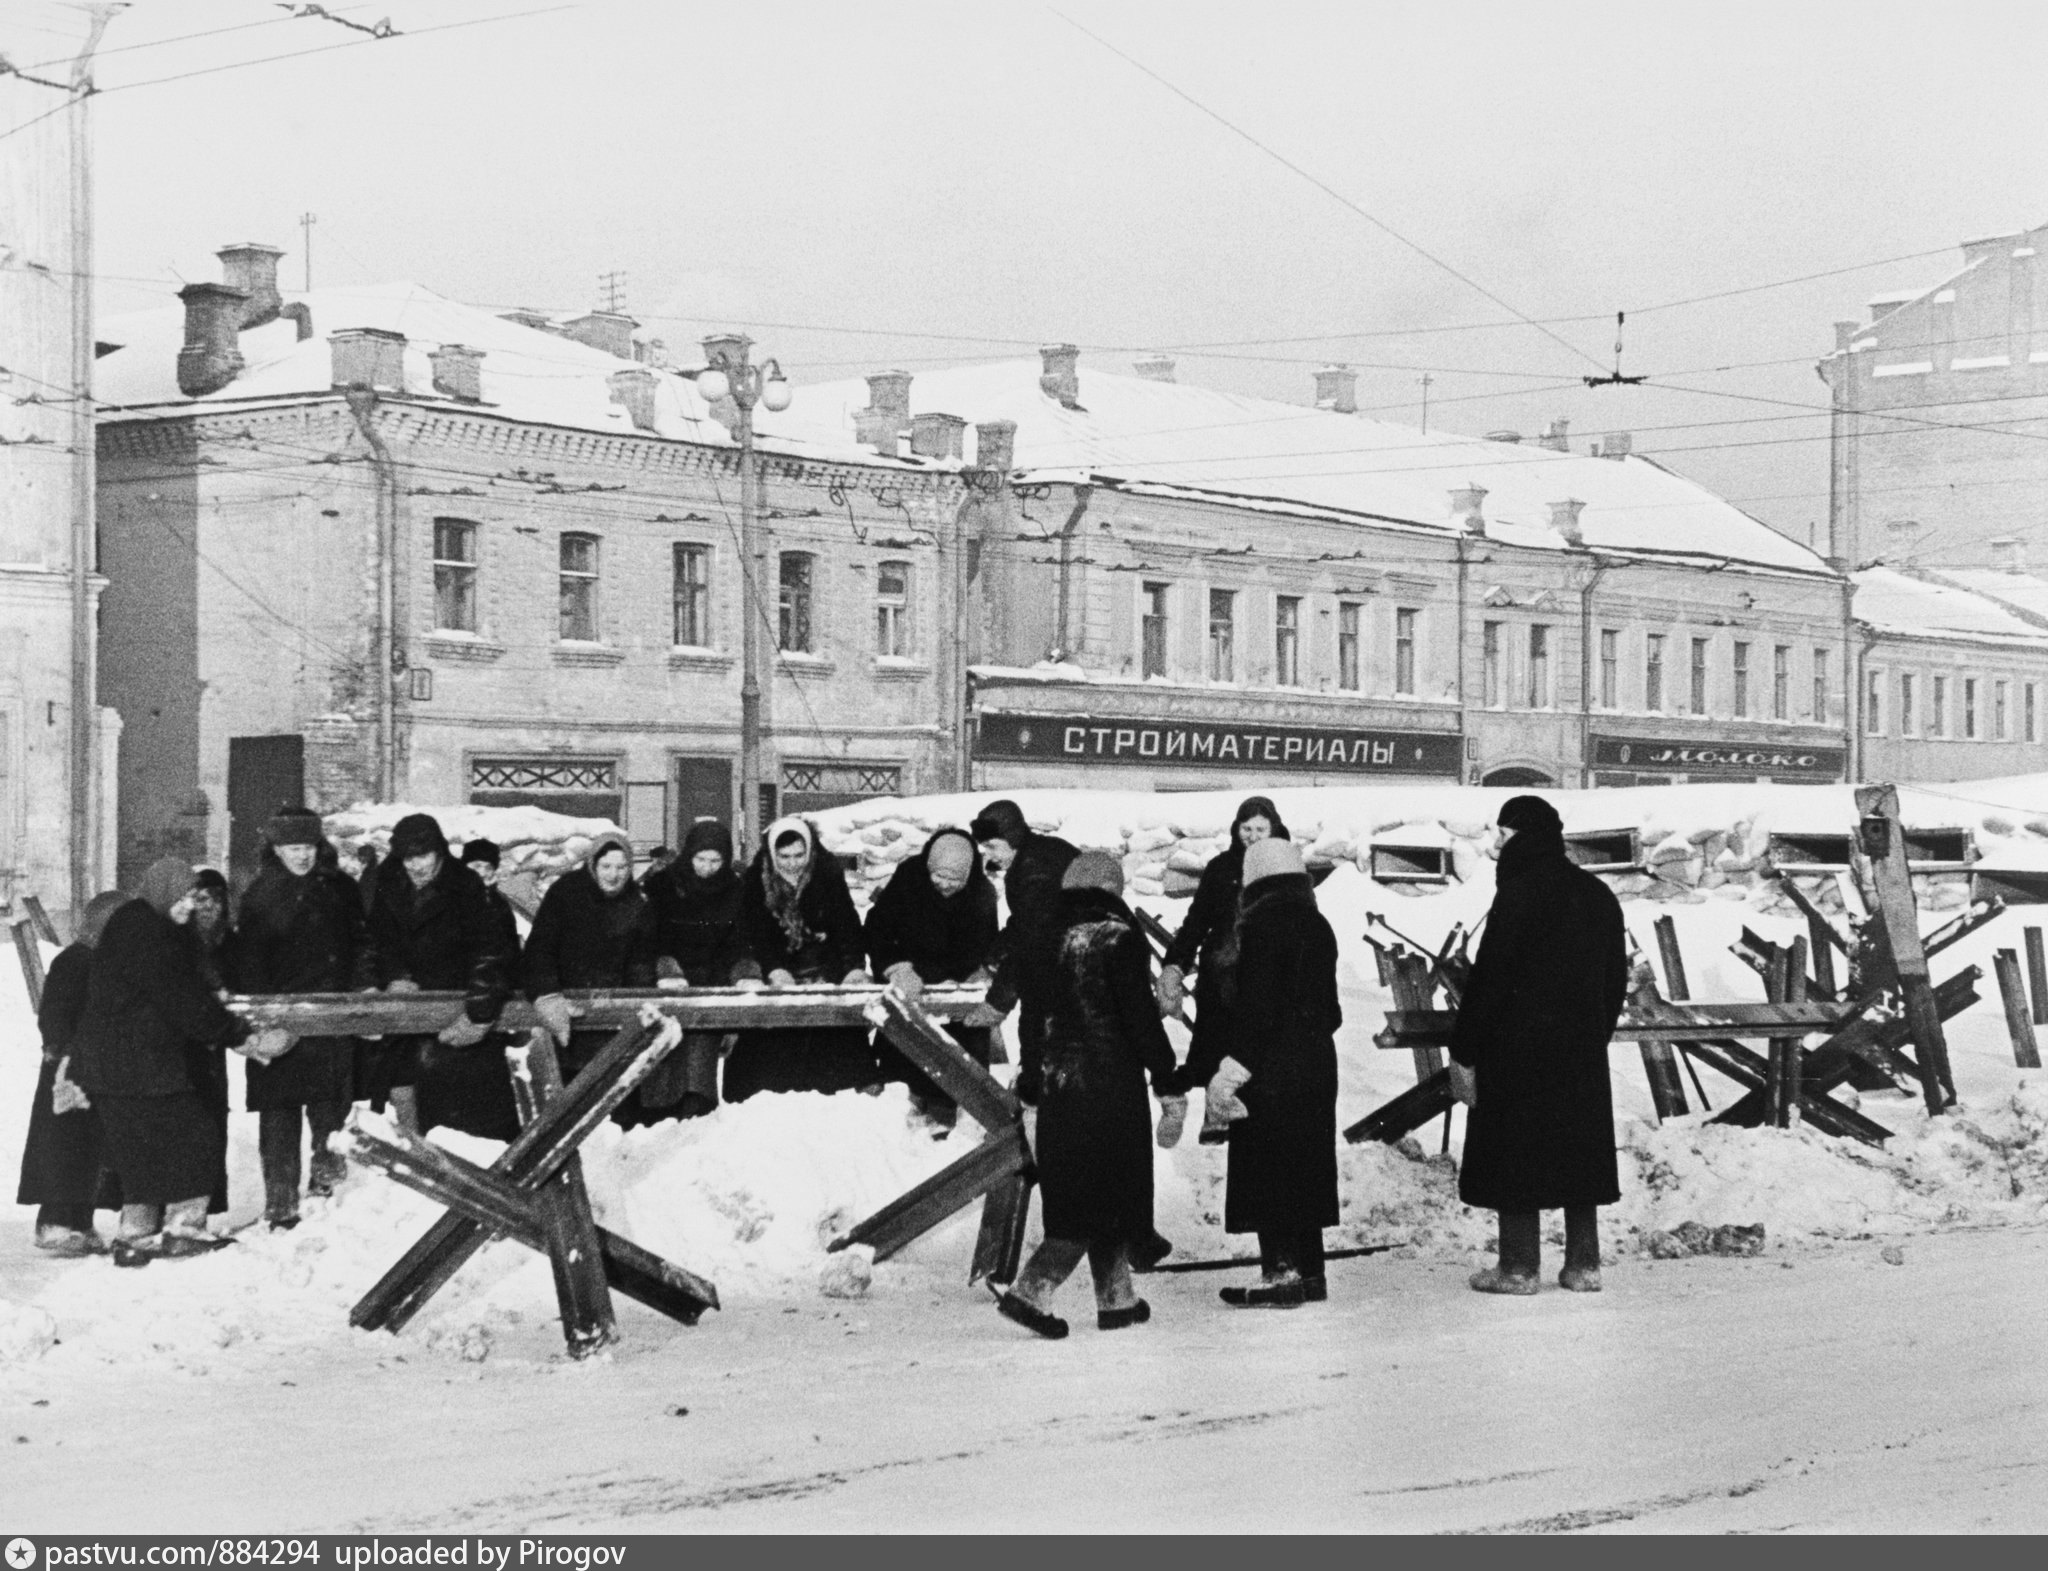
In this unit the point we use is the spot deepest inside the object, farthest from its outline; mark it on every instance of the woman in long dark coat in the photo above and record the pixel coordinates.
(1529, 1053)
(798, 925)
(435, 927)
(1027, 953)
(1207, 943)
(594, 929)
(60, 1161)
(302, 931)
(1092, 1140)
(212, 927)
(147, 1001)
(1283, 1153)
(934, 921)
(695, 900)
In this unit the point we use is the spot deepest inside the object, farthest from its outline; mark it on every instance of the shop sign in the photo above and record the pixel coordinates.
(1717, 758)
(1201, 744)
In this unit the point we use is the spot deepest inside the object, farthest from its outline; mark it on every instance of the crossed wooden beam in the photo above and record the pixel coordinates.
(534, 1193)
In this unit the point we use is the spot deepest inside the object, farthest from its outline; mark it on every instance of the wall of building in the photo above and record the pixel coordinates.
(1919, 735)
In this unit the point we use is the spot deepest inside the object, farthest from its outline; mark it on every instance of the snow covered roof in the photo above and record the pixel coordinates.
(1915, 604)
(1170, 438)
(527, 373)
(2024, 592)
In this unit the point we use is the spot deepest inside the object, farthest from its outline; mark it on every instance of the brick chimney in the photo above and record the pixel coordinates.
(1337, 389)
(995, 446)
(1060, 376)
(1465, 500)
(368, 357)
(1556, 436)
(889, 394)
(1154, 368)
(634, 388)
(877, 428)
(252, 268)
(1616, 444)
(2008, 554)
(937, 435)
(1564, 518)
(458, 372)
(1901, 539)
(605, 330)
(212, 355)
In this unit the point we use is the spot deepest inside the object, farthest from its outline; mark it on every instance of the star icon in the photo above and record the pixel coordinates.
(21, 1554)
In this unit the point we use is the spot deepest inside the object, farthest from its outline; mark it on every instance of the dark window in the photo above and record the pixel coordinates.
(1937, 707)
(2001, 719)
(1741, 680)
(2029, 713)
(793, 607)
(1489, 665)
(1908, 719)
(1873, 703)
(1610, 668)
(579, 588)
(561, 783)
(1222, 635)
(1699, 676)
(1349, 614)
(1153, 653)
(454, 575)
(1820, 684)
(1653, 673)
(1539, 667)
(693, 595)
(1781, 682)
(892, 609)
(812, 788)
(1970, 707)
(1404, 651)
(1287, 640)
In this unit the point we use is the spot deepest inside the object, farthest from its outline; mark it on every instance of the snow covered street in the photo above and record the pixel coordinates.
(1829, 1391)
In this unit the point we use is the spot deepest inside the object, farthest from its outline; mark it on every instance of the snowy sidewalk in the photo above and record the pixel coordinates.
(1898, 1397)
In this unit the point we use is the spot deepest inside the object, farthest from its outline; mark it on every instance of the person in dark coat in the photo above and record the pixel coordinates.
(60, 1161)
(435, 927)
(798, 925)
(1282, 1069)
(1207, 943)
(365, 874)
(934, 921)
(302, 931)
(695, 902)
(1032, 865)
(484, 858)
(1529, 1053)
(212, 925)
(594, 929)
(1091, 1133)
(147, 1001)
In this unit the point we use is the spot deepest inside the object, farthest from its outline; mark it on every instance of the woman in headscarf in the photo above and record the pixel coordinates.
(1529, 1053)
(594, 929)
(1092, 1129)
(434, 927)
(1282, 1069)
(695, 902)
(60, 1162)
(1207, 944)
(146, 1001)
(302, 931)
(934, 921)
(798, 925)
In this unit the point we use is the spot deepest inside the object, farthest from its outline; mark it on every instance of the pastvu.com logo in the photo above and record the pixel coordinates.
(21, 1554)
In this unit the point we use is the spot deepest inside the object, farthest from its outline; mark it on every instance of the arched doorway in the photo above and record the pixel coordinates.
(1517, 775)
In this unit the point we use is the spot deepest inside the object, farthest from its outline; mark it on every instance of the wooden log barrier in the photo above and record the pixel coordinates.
(46, 930)
(2019, 1019)
(30, 954)
(2037, 974)
(1882, 842)
(563, 1206)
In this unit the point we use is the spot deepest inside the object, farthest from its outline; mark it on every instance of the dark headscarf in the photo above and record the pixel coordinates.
(168, 880)
(1003, 820)
(1539, 834)
(1258, 807)
(98, 909)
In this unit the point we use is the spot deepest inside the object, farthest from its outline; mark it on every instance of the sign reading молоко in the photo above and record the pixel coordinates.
(1088, 739)
(1699, 758)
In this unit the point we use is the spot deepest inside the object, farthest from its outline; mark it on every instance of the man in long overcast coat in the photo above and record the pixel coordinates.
(1529, 1053)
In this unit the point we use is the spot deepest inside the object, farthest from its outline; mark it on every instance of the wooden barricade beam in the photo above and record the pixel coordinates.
(30, 954)
(46, 930)
(2019, 1018)
(2037, 974)
(563, 1206)
(1882, 843)
(1678, 989)
(1668, 1023)
(1406, 1113)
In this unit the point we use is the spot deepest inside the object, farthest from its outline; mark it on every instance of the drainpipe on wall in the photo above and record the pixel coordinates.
(362, 403)
(1857, 745)
(1082, 493)
(1464, 719)
(1598, 572)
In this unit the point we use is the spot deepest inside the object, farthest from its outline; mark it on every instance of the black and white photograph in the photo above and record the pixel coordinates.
(1110, 767)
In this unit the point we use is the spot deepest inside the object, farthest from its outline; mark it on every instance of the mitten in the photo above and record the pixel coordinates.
(1464, 1084)
(781, 978)
(854, 978)
(556, 1015)
(1170, 989)
(462, 1032)
(667, 969)
(904, 978)
(1173, 1118)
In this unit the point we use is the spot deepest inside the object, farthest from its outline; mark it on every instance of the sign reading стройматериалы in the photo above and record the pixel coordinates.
(1087, 739)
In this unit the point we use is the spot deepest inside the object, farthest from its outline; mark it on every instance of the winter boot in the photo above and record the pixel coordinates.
(132, 1254)
(1049, 1326)
(1147, 1252)
(1494, 1280)
(329, 1169)
(1277, 1292)
(69, 1243)
(1315, 1289)
(1579, 1279)
(1116, 1319)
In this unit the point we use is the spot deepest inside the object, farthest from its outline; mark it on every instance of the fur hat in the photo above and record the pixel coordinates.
(1271, 859)
(294, 826)
(1094, 870)
(482, 850)
(416, 834)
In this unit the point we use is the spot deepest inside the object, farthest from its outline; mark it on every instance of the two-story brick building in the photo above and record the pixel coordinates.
(1184, 588)
(370, 543)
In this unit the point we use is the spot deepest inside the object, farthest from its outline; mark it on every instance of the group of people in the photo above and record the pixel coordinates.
(132, 1102)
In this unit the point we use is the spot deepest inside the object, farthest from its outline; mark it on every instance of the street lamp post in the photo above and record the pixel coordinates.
(728, 374)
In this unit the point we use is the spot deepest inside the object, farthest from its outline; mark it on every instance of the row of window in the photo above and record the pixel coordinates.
(456, 568)
(1951, 707)
(1754, 691)
(1221, 663)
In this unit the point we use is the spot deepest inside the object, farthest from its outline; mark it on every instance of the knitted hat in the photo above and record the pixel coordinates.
(1094, 870)
(1271, 859)
(294, 826)
(1529, 812)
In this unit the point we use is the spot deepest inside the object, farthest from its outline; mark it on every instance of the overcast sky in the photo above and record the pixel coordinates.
(921, 184)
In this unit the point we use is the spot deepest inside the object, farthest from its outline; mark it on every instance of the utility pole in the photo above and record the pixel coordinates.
(612, 287)
(84, 471)
(1426, 380)
(306, 223)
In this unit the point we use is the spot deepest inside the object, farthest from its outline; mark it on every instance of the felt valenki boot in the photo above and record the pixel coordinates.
(1521, 1245)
